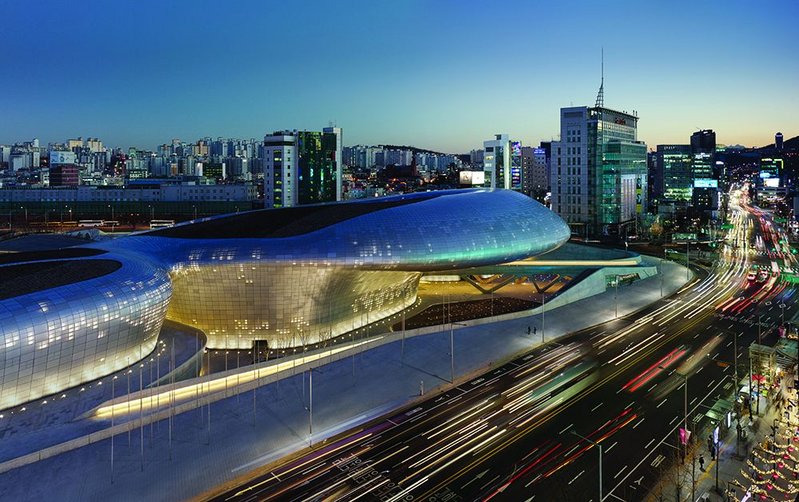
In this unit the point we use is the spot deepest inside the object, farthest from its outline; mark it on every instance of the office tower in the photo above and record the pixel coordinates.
(496, 161)
(703, 141)
(534, 171)
(302, 167)
(778, 141)
(599, 175)
(516, 165)
(770, 171)
(705, 188)
(674, 165)
(336, 170)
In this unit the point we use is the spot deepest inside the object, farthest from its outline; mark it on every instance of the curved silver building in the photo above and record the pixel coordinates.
(288, 277)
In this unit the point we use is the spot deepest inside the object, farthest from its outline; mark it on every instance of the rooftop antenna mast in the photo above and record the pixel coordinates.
(600, 97)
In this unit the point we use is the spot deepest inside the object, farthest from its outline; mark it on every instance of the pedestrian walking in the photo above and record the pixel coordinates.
(528, 330)
(535, 330)
(701, 463)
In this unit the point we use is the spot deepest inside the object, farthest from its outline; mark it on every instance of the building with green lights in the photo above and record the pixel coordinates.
(599, 171)
(302, 167)
(675, 163)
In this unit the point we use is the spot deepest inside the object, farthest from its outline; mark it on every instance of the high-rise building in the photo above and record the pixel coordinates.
(705, 188)
(675, 170)
(599, 175)
(534, 171)
(778, 141)
(703, 141)
(496, 161)
(302, 167)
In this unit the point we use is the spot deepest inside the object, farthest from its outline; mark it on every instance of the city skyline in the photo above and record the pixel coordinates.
(431, 75)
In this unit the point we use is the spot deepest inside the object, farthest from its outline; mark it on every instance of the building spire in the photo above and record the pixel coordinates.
(600, 97)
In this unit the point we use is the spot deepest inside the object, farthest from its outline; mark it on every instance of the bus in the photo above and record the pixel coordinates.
(161, 223)
(90, 223)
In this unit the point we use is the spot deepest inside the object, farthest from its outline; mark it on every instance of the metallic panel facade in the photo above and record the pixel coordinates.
(62, 337)
(236, 303)
(288, 291)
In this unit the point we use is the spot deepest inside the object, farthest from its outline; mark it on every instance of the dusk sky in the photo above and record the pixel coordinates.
(443, 75)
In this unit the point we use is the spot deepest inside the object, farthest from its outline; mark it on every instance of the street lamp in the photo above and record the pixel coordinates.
(685, 403)
(599, 446)
(452, 349)
(310, 407)
(687, 260)
(543, 311)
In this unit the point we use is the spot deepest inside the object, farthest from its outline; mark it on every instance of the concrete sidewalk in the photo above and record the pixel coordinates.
(217, 443)
(732, 461)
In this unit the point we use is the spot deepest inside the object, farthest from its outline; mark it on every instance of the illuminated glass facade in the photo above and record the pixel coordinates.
(57, 338)
(284, 277)
(675, 162)
(599, 171)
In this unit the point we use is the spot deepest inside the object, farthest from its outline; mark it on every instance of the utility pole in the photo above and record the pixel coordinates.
(113, 382)
(735, 362)
(543, 312)
(451, 353)
(402, 343)
(688, 260)
(685, 406)
(452, 349)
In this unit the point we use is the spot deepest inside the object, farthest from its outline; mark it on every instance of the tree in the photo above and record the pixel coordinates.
(656, 230)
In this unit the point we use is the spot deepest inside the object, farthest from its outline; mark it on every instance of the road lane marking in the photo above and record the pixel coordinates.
(476, 478)
(673, 419)
(611, 446)
(317, 466)
(639, 422)
(577, 476)
(595, 407)
(649, 443)
(619, 473)
(662, 403)
(567, 428)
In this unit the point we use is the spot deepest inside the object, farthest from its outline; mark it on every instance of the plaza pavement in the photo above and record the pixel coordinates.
(255, 428)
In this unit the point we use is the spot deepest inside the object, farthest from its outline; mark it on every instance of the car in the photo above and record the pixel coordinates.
(751, 276)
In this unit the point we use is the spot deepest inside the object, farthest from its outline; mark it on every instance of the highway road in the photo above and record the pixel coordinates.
(529, 430)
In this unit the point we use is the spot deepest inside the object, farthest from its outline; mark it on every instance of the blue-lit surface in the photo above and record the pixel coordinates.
(288, 291)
